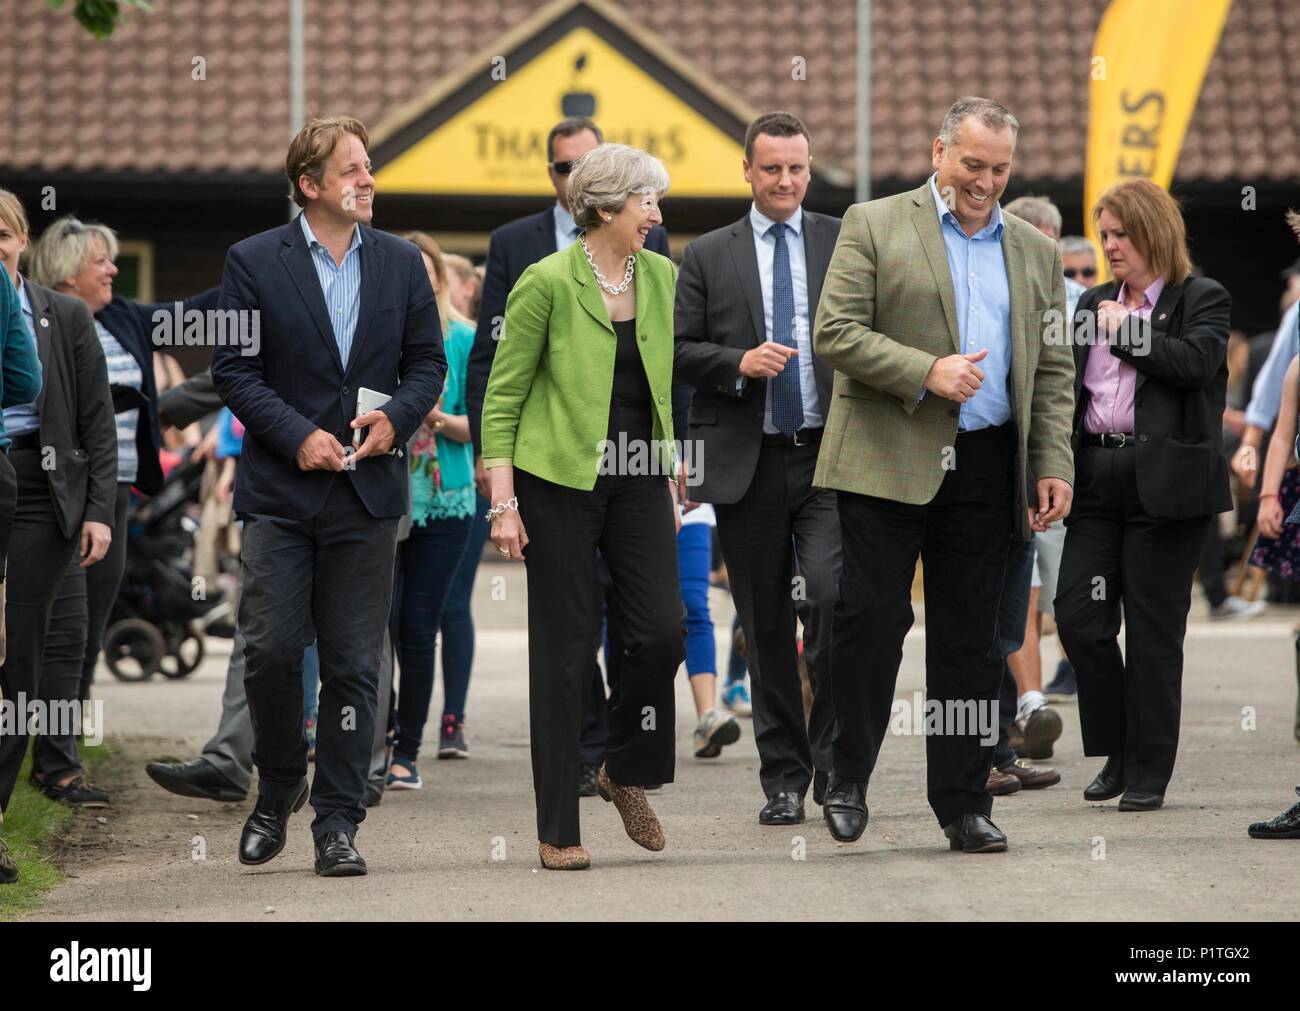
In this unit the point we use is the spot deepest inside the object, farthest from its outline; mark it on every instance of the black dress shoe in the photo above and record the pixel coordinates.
(337, 856)
(198, 778)
(587, 776)
(264, 832)
(975, 833)
(1141, 800)
(374, 795)
(820, 778)
(845, 809)
(1285, 826)
(782, 809)
(1108, 783)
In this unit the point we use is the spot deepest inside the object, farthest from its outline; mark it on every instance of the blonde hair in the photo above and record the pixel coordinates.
(12, 213)
(425, 244)
(1154, 222)
(311, 149)
(65, 247)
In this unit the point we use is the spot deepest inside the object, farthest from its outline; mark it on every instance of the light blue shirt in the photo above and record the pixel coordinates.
(765, 248)
(1266, 394)
(1073, 292)
(983, 294)
(566, 230)
(22, 418)
(340, 284)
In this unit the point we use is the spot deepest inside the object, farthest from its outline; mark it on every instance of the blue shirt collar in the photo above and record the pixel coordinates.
(993, 229)
(23, 299)
(313, 242)
(760, 222)
(564, 220)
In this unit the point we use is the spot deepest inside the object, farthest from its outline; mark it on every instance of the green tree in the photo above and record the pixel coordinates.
(101, 17)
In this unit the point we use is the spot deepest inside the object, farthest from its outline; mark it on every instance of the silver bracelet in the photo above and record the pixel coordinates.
(511, 503)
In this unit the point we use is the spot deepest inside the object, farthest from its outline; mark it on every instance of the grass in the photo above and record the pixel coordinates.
(33, 824)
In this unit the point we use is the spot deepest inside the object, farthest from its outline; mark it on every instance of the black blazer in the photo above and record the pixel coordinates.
(75, 411)
(719, 316)
(512, 249)
(1178, 403)
(296, 383)
(132, 323)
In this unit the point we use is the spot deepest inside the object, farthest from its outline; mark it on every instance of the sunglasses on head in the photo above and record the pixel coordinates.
(1088, 272)
(562, 167)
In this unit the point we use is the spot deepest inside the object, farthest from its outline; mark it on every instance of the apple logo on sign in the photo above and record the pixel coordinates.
(578, 103)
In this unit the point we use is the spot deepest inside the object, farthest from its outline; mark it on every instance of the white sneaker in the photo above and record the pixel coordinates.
(1236, 609)
(714, 732)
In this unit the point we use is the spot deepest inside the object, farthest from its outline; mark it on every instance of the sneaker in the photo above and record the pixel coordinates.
(1040, 729)
(714, 732)
(451, 738)
(310, 728)
(411, 781)
(587, 780)
(8, 866)
(74, 793)
(735, 696)
(1064, 687)
(1236, 609)
(1285, 826)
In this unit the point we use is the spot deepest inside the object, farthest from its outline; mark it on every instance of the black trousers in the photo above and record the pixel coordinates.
(331, 578)
(962, 536)
(1118, 556)
(14, 677)
(103, 580)
(630, 519)
(39, 555)
(781, 543)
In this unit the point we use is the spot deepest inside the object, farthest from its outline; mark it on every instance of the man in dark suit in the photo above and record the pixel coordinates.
(342, 307)
(746, 298)
(513, 248)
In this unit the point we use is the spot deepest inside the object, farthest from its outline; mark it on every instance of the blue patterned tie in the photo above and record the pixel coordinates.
(787, 398)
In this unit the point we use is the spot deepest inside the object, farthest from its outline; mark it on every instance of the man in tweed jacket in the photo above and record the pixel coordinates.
(949, 433)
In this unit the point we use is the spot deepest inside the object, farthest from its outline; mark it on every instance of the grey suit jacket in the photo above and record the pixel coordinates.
(77, 429)
(191, 401)
(718, 316)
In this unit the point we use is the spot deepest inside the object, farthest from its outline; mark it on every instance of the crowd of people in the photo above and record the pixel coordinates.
(801, 411)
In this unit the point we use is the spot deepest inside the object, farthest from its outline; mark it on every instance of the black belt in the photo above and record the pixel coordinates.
(1110, 440)
(803, 437)
(28, 440)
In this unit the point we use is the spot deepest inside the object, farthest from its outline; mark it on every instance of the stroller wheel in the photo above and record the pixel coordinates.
(133, 649)
(185, 657)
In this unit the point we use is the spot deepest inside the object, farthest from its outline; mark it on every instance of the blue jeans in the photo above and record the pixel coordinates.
(1013, 613)
(694, 554)
(310, 681)
(422, 577)
(457, 620)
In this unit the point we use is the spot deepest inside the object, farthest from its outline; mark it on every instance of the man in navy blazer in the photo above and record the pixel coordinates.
(340, 307)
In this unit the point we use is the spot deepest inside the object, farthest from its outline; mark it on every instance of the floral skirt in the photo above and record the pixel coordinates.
(1282, 556)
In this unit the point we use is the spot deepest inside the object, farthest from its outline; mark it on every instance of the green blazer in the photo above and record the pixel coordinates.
(887, 312)
(546, 409)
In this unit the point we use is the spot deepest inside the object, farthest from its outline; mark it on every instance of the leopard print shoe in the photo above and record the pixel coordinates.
(563, 858)
(639, 820)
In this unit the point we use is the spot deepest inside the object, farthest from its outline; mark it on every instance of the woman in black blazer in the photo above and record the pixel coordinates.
(1150, 381)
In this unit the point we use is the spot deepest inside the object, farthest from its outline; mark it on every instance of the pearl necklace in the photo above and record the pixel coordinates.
(613, 289)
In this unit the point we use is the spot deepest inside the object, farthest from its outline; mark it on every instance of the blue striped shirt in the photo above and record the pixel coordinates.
(340, 284)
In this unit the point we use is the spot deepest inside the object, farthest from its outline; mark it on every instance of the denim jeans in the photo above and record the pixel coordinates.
(1013, 613)
(458, 621)
(694, 553)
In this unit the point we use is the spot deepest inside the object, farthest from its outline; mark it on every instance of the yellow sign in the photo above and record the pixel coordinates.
(1148, 62)
(496, 145)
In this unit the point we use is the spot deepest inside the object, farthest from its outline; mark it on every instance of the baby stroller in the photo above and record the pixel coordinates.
(156, 625)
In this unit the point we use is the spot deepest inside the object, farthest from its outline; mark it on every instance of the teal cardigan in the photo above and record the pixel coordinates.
(442, 484)
(547, 404)
(20, 368)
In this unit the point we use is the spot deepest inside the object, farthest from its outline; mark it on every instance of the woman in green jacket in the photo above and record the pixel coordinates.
(578, 442)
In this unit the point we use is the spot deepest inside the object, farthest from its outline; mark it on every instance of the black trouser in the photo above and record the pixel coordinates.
(54, 755)
(103, 580)
(1013, 618)
(328, 577)
(781, 543)
(1209, 568)
(14, 676)
(962, 536)
(40, 557)
(630, 519)
(1116, 554)
(594, 728)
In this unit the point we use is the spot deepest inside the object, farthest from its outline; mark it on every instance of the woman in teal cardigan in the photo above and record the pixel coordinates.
(578, 442)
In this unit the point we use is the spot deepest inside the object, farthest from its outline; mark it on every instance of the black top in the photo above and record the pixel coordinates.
(629, 402)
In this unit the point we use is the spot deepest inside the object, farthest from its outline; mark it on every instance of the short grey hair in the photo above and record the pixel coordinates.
(1072, 244)
(64, 247)
(604, 177)
(1038, 211)
(992, 114)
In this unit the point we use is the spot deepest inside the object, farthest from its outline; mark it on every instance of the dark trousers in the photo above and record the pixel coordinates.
(55, 754)
(962, 537)
(781, 543)
(458, 619)
(103, 580)
(1117, 555)
(422, 577)
(1013, 616)
(328, 578)
(19, 672)
(1209, 568)
(630, 520)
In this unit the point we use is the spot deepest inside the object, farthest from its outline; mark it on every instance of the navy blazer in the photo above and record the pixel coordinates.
(512, 249)
(132, 324)
(296, 383)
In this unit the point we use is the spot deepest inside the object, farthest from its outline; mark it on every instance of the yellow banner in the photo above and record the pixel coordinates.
(1148, 63)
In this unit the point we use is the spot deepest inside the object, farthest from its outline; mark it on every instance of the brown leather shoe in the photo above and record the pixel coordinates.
(1000, 783)
(1016, 739)
(1041, 728)
(1032, 777)
(640, 822)
(563, 858)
